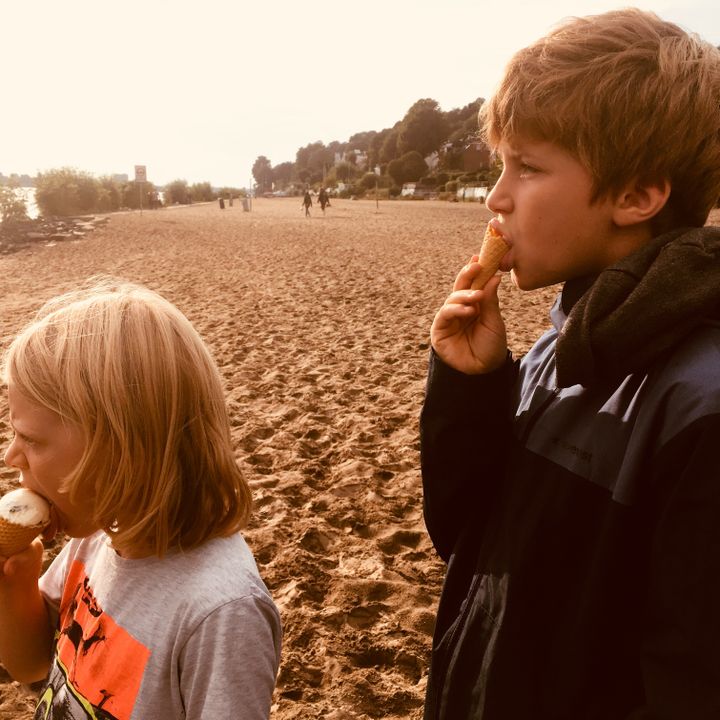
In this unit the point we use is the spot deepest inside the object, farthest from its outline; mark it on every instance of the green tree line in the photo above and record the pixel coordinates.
(398, 153)
(67, 191)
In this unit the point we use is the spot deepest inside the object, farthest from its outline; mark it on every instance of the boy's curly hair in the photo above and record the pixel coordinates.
(630, 96)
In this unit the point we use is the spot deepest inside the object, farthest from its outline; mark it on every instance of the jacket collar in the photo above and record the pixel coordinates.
(639, 308)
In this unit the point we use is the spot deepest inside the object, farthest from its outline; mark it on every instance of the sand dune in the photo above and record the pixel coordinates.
(320, 327)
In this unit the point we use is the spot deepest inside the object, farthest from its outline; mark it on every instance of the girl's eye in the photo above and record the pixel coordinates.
(526, 169)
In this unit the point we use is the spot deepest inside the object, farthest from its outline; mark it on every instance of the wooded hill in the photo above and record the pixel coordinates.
(425, 146)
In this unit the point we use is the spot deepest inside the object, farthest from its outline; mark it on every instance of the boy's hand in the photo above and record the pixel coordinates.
(468, 332)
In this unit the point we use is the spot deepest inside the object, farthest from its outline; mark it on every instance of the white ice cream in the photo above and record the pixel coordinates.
(24, 507)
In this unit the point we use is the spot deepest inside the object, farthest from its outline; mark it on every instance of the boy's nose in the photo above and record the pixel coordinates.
(498, 200)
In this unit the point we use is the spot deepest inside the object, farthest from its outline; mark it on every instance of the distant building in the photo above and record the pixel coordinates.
(412, 189)
(476, 156)
(361, 158)
(17, 180)
(121, 178)
(469, 192)
(432, 160)
(466, 155)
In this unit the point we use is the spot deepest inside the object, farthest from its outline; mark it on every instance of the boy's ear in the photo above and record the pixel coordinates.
(639, 202)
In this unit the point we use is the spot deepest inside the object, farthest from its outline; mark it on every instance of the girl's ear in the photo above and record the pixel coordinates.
(639, 202)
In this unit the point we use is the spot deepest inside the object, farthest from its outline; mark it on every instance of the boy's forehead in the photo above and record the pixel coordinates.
(519, 144)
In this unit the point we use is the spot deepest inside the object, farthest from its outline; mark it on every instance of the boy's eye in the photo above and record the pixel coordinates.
(526, 169)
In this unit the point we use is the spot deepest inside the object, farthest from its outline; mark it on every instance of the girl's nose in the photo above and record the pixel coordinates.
(13, 457)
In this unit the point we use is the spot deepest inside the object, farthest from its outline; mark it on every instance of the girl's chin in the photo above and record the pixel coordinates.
(55, 526)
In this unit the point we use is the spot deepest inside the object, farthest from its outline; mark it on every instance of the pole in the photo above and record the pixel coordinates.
(377, 204)
(140, 189)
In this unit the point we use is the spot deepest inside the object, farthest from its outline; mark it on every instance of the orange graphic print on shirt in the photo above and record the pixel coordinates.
(101, 663)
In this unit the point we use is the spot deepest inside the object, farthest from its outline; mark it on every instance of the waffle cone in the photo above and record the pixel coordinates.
(491, 252)
(14, 538)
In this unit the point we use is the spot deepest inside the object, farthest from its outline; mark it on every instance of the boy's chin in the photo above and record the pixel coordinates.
(524, 281)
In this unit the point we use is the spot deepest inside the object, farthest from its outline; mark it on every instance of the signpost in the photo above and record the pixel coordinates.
(140, 179)
(377, 204)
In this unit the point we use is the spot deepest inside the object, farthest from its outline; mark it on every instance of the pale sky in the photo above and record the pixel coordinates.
(198, 90)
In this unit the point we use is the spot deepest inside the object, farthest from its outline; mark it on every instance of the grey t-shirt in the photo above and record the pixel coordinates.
(192, 635)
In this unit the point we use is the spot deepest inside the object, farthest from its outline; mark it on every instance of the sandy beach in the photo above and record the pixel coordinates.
(320, 328)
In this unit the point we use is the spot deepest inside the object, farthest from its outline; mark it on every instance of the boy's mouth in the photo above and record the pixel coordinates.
(506, 264)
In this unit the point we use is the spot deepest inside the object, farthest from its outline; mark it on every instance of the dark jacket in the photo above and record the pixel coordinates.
(575, 496)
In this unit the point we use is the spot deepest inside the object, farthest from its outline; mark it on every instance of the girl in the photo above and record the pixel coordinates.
(154, 608)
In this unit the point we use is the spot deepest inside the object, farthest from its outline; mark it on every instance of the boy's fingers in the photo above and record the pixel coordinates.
(464, 278)
(450, 313)
(464, 297)
(491, 287)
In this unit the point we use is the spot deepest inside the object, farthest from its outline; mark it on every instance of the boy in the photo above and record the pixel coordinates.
(575, 495)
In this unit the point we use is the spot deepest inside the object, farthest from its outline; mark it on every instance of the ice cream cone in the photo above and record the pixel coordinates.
(14, 538)
(23, 516)
(491, 252)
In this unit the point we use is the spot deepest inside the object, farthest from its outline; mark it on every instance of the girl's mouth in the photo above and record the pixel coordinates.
(55, 525)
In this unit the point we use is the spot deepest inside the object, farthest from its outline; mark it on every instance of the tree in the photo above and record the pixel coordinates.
(313, 161)
(12, 206)
(109, 194)
(282, 174)
(408, 168)
(345, 171)
(374, 148)
(133, 193)
(177, 192)
(361, 140)
(396, 170)
(369, 180)
(389, 147)
(414, 167)
(262, 172)
(466, 116)
(201, 192)
(423, 128)
(66, 191)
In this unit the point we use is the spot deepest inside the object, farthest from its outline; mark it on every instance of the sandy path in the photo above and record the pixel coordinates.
(320, 327)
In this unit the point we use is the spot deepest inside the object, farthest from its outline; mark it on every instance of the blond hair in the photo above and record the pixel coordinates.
(630, 96)
(129, 369)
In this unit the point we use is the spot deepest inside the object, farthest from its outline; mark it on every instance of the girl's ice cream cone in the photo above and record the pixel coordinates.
(491, 252)
(23, 516)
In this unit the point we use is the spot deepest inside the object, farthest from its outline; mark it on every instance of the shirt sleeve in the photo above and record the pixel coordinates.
(465, 430)
(229, 664)
(52, 581)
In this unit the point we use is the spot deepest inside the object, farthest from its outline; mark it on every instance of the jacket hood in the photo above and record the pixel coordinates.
(639, 308)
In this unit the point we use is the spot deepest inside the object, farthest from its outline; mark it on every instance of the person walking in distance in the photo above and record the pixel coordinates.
(307, 203)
